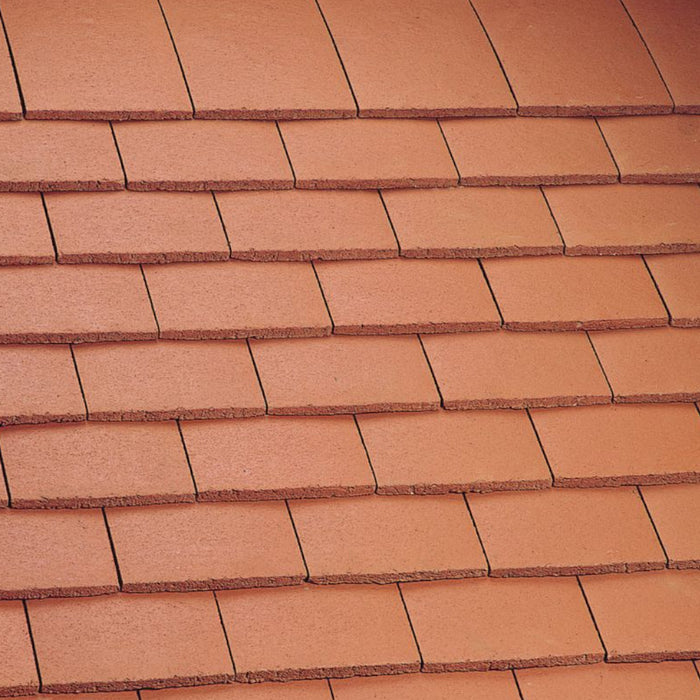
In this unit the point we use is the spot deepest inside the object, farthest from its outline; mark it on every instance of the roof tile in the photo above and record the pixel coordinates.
(394, 52)
(368, 153)
(69, 303)
(562, 293)
(132, 227)
(58, 156)
(295, 690)
(169, 379)
(18, 674)
(205, 546)
(472, 222)
(144, 640)
(58, 553)
(565, 532)
(659, 149)
(237, 299)
(535, 151)
(453, 451)
(375, 539)
(24, 233)
(486, 624)
(621, 444)
(315, 632)
(277, 457)
(269, 61)
(85, 59)
(677, 277)
(203, 155)
(675, 511)
(95, 464)
(407, 296)
(649, 616)
(344, 375)
(573, 59)
(39, 385)
(306, 225)
(612, 219)
(10, 106)
(515, 370)
(656, 364)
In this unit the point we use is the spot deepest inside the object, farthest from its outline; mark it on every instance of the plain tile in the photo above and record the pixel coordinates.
(10, 106)
(678, 280)
(24, 233)
(18, 675)
(295, 690)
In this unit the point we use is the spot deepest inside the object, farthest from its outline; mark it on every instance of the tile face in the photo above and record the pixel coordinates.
(10, 106)
(368, 153)
(131, 227)
(95, 464)
(344, 375)
(650, 616)
(566, 532)
(295, 690)
(453, 451)
(62, 304)
(562, 293)
(436, 686)
(203, 155)
(613, 219)
(237, 299)
(472, 222)
(595, 61)
(305, 225)
(205, 546)
(24, 233)
(620, 681)
(169, 379)
(55, 554)
(85, 59)
(496, 151)
(515, 370)
(487, 624)
(663, 149)
(618, 444)
(311, 632)
(417, 59)
(407, 296)
(669, 29)
(154, 640)
(376, 540)
(277, 457)
(675, 511)
(39, 385)
(678, 278)
(58, 156)
(658, 364)
(269, 61)
(18, 674)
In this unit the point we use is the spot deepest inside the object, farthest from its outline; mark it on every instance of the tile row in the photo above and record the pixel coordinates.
(368, 539)
(347, 154)
(158, 227)
(169, 60)
(241, 299)
(160, 380)
(306, 632)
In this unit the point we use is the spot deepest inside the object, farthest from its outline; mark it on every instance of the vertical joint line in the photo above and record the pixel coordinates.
(223, 629)
(600, 364)
(410, 624)
(48, 223)
(80, 382)
(539, 442)
(432, 373)
(286, 152)
(187, 457)
(323, 296)
(554, 218)
(449, 150)
(6, 481)
(31, 640)
(653, 524)
(298, 539)
(590, 612)
(257, 374)
(119, 155)
(150, 299)
(391, 223)
(15, 72)
(364, 447)
(517, 684)
(478, 534)
(330, 688)
(491, 292)
(223, 224)
(607, 146)
(658, 291)
(114, 549)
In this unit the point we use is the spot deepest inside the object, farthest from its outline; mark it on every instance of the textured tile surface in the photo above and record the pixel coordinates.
(677, 277)
(24, 233)
(18, 675)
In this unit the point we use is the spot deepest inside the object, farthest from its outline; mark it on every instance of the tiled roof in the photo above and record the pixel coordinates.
(349, 349)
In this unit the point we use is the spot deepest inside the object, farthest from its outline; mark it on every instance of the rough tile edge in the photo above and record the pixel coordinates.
(77, 337)
(534, 402)
(413, 328)
(31, 593)
(583, 570)
(676, 397)
(136, 684)
(35, 418)
(399, 577)
(594, 110)
(684, 563)
(283, 113)
(590, 325)
(270, 255)
(687, 108)
(374, 184)
(238, 333)
(78, 502)
(438, 112)
(12, 691)
(108, 115)
(216, 584)
(10, 116)
(641, 249)
(12, 260)
(62, 186)
(507, 664)
(681, 477)
(176, 413)
(659, 178)
(530, 180)
(137, 258)
(466, 487)
(301, 492)
(685, 322)
(652, 656)
(206, 185)
(329, 410)
(294, 674)
(482, 252)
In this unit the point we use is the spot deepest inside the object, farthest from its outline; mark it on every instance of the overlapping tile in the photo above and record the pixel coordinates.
(677, 279)
(19, 673)
(24, 233)
(10, 105)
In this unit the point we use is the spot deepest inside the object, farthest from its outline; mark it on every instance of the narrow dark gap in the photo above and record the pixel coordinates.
(600, 364)
(323, 296)
(113, 548)
(119, 155)
(391, 223)
(50, 226)
(150, 299)
(286, 152)
(554, 218)
(330, 688)
(298, 539)
(539, 442)
(257, 374)
(364, 447)
(478, 534)
(653, 524)
(432, 373)
(33, 643)
(656, 286)
(187, 457)
(605, 141)
(221, 221)
(410, 624)
(80, 382)
(517, 684)
(6, 481)
(22, 103)
(223, 629)
(449, 150)
(491, 292)
(590, 612)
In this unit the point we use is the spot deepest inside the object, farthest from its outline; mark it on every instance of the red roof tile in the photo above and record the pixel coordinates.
(267, 61)
(203, 155)
(24, 233)
(314, 632)
(10, 106)
(84, 59)
(169, 379)
(515, 370)
(374, 539)
(393, 51)
(534, 151)
(95, 464)
(677, 277)
(295, 690)
(18, 673)
(567, 58)
(489, 624)
(368, 153)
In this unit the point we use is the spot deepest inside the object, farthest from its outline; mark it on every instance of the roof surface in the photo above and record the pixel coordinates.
(350, 350)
